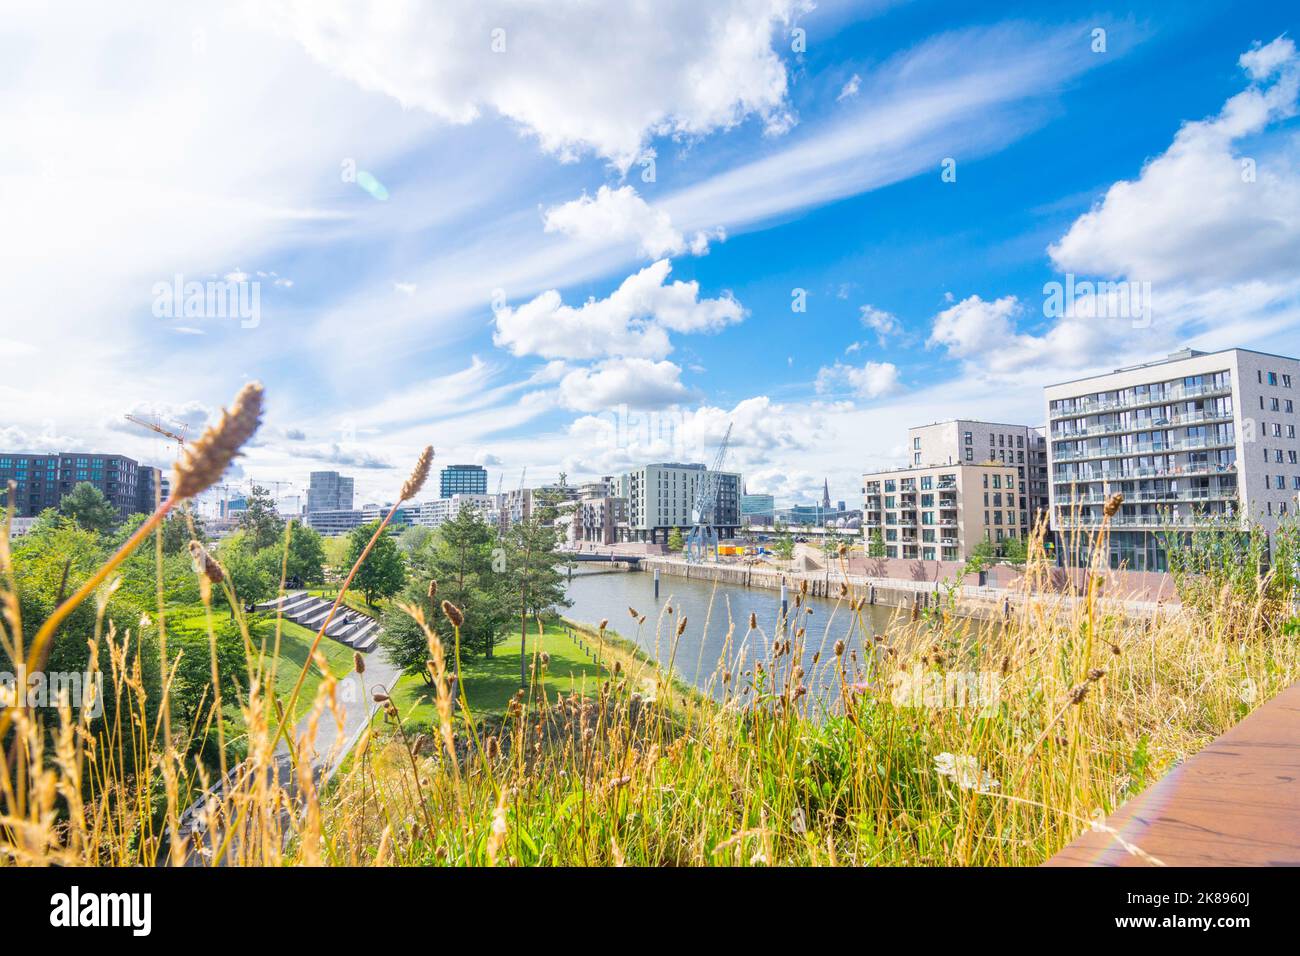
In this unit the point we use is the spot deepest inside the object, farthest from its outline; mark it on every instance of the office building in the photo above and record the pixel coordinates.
(462, 480)
(757, 510)
(1194, 437)
(941, 512)
(329, 491)
(661, 497)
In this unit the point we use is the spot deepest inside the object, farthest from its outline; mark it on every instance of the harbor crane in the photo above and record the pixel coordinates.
(703, 538)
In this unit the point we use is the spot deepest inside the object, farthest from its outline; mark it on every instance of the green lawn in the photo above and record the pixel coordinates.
(295, 642)
(491, 682)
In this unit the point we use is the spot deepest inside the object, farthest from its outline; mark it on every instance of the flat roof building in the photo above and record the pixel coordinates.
(329, 491)
(941, 512)
(969, 441)
(661, 497)
(462, 480)
(1193, 436)
(43, 480)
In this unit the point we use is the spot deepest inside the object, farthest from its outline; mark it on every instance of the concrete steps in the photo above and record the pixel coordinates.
(349, 627)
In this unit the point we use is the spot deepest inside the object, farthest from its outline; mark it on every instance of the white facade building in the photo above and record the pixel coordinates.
(661, 497)
(1196, 434)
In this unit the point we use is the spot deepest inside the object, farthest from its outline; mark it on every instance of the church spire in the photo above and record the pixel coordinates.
(826, 494)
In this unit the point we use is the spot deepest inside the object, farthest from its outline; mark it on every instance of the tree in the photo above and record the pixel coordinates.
(1014, 550)
(260, 521)
(253, 577)
(535, 581)
(784, 546)
(675, 540)
(460, 557)
(383, 573)
(305, 562)
(876, 548)
(86, 505)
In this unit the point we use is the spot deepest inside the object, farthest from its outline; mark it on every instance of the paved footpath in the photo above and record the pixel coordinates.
(1235, 803)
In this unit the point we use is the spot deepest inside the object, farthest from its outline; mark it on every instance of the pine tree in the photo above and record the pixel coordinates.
(535, 580)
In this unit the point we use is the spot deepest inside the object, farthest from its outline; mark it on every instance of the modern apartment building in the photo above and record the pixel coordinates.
(329, 522)
(329, 491)
(968, 441)
(43, 480)
(435, 512)
(661, 497)
(600, 519)
(940, 512)
(462, 480)
(1193, 435)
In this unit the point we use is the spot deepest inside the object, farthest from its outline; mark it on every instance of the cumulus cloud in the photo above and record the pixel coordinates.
(985, 336)
(870, 380)
(1203, 214)
(633, 321)
(620, 215)
(635, 382)
(1205, 236)
(678, 67)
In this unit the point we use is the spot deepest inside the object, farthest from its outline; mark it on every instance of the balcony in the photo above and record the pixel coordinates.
(1178, 471)
(1146, 448)
(1151, 424)
(1174, 394)
(1169, 520)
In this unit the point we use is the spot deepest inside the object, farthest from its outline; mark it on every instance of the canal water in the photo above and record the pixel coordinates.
(699, 654)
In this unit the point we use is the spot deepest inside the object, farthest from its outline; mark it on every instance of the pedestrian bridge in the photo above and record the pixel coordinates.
(581, 556)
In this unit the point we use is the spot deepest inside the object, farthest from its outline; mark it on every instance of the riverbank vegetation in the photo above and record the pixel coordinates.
(820, 742)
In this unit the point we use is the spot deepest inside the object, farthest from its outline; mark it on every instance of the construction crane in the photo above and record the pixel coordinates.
(156, 426)
(703, 539)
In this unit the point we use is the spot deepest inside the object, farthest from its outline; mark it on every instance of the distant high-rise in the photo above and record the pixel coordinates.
(826, 494)
(462, 480)
(329, 491)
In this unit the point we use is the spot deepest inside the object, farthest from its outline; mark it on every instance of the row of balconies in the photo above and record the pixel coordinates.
(1120, 428)
(1190, 494)
(1146, 448)
(1177, 471)
(1176, 393)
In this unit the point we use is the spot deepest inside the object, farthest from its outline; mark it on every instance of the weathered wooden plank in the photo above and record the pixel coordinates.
(1236, 803)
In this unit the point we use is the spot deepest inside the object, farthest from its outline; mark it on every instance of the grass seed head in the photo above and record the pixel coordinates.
(453, 614)
(205, 564)
(203, 462)
(418, 475)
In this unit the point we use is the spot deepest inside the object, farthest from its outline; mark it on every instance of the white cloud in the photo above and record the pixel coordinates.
(1195, 218)
(633, 321)
(984, 335)
(620, 215)
(1213, 231)
(631, 71)
(636, 382)
(883, 323)
(870, 380)
(850, 89)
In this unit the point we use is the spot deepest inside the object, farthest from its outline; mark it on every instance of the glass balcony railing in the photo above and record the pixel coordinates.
(1177, 393)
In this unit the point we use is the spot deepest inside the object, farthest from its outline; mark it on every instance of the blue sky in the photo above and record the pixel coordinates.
(527, 294)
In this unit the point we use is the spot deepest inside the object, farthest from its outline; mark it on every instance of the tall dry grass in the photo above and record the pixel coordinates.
(808, 747)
